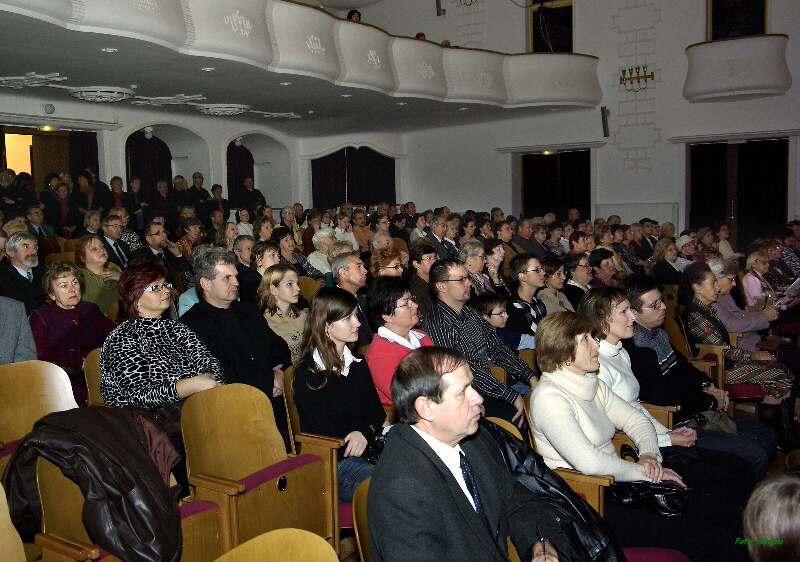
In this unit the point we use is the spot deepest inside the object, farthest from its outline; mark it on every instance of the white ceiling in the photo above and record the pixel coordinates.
(30, 45)
(348, 4)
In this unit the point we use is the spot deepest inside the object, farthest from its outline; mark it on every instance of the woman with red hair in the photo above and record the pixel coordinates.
(148, 361)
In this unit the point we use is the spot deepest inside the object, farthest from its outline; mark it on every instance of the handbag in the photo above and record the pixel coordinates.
(374, 445)
(714, 420)
(665, 498)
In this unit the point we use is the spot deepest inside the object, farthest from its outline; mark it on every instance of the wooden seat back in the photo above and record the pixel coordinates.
(360, 521)
(221, 440)
(669, 294)
(112, 313)
(291, 408)
(29, 390)
(59, 256)
(280, 545)
(677, 337)
(71, 244)
(10, 542)
(498, 372)
(308, 287)
(529, 356)
(91, 370)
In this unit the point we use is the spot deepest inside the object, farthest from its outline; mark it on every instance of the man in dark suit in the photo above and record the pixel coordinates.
(21, 274)
(117, 249)
(436, 236)
(350, 274)
(437, 492)
(157, 244)
(237, 334)
(45, 234)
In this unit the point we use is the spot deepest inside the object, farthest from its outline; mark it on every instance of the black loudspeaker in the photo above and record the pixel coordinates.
(604, 119)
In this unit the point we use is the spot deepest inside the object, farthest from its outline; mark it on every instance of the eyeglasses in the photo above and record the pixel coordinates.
(407, 302)
(432, 257)
(536, 269)
(458, 280)
(656, 304)
(504, 313)
(396, 267)
(158, 287)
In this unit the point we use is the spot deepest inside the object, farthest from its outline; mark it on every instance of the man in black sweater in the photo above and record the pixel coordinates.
(236, 334)
(666, 378)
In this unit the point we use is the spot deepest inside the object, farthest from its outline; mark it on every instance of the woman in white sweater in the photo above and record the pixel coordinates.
(574, 417)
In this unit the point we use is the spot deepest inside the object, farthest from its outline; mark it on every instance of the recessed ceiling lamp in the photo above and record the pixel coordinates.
(311, 113)
(347, 95)
(109, 49)
(101, 94)
(223, 109)
(49, 128)
(463, 109)
(208, 69)
(549, 152)
(402, 103)
(286, 83)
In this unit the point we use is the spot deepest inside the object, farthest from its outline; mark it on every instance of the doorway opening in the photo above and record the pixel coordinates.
(553, 182)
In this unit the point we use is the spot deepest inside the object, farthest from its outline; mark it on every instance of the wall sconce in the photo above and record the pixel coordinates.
(237, 141)
(148, 132)
(638, 75)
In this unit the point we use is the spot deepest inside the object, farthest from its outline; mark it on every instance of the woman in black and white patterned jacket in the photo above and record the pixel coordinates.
(148, 361)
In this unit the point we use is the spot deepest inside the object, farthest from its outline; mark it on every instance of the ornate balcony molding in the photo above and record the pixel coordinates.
(290, 37)
(737, 69)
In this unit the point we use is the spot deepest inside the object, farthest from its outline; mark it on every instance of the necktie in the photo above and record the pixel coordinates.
(123, 260)
(466, 471)
(30, 275)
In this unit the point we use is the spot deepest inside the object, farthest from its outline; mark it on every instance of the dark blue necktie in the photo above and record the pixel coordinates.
(466, 471)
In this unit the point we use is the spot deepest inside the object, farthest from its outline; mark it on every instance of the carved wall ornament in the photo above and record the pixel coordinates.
(315, 45)
(425, 70)
(31, 80)
(239, 23)
(374, 59)
(148, 5)
(158, 101)
(101, 94)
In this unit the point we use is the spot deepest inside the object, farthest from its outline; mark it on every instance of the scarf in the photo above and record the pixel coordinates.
(657, 340)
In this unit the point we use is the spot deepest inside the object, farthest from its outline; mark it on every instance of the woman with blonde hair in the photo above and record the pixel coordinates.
(386, 262)
(101, 277)
(226, 235)
(277, 296)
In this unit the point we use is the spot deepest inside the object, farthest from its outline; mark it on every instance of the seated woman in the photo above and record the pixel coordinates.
(266, 254)
(262, 229)
(101, 277)
(91, 223)
(554, 300)
(321, 241)
(623, 244)
(394, 310)
(333, 387)
(723, 233)
(291, 257)
(386, 263)
(278, 296)
(226, 235)
(472, 255)
(668, 265)
(67, 330)
(193, 227)
(579, 274)
(574, 419)
(700, 290)
(602, 262)
(553, 242)
(495, 254)
(243, 222)
(147, 361)
(721, 474)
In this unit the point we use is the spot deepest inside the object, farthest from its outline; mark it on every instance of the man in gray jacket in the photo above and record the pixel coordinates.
(16, 333)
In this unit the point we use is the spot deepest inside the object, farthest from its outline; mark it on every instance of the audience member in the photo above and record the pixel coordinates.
(157, 244)
(290, 256)
(770, 520)
(278, 296)
(551, 293)
(350, 274)
(249, 279)
(422, 257)
(21, 274)
(321, 241)
(18, 344)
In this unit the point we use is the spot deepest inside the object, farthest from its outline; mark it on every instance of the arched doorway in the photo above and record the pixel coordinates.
(240, 166)
(268, 163)
(359, 175)
(148, 159)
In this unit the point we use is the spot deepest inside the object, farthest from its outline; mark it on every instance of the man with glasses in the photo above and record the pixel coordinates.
(436, 236)
(666, 378)
(118, 251)
(579, 274)
(526, 310)
(422, 257)
(451, 323)
(157, 244)
(21, 274)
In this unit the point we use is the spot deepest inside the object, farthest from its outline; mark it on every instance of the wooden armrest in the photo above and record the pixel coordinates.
(661, 408)
(67, 546)
(703, 365)
(217, 484)
(575, 476)
(734, 338)
(319, 440)
(704, 348)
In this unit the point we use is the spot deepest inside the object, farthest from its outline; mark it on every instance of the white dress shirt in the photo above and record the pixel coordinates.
(451, 458)
(349, 358)
(414, 340)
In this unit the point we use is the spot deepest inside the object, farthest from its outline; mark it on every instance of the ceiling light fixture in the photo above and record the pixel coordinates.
(109, 49)
(208, 69)
(237, 141)
(148, 132)
(101, 94)
(47, 128)
(347, 95)
(402, 103)
(463, 109)
(223, 109)
(311, 113)
(286, 83)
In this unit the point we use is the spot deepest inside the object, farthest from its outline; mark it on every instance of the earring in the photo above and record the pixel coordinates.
(568, 363)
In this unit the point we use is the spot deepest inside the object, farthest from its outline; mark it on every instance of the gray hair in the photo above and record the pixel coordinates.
(751, 259)
(320, 235)
(469, 249)
(377, 236)
(89, 215)
(339, 247)
(722, 267)
(108, 218)
(15, 240)
(241, 239)
(205, 262)
(340, 262)
(287, 210)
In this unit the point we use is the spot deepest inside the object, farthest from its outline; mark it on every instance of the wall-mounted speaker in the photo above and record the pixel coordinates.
(604, 118)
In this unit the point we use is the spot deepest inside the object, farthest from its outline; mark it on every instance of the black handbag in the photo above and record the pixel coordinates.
(665, 498)
(374, 446)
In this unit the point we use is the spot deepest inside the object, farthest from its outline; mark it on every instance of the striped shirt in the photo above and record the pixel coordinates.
(471, 335)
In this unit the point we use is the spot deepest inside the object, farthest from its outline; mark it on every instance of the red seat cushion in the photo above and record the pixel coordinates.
(194, 507)
(275, 470)
(745, 390)
(345, 515)
(9, 448)
(646, 554)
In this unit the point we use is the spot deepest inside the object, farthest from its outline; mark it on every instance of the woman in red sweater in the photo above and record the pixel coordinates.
(394, 309)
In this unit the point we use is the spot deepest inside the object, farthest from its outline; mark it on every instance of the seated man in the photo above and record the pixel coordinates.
(666, 378)
(437, 492)
(451, 323)
(21, 274)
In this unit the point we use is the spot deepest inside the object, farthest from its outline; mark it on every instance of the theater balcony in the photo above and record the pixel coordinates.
(737, 69)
